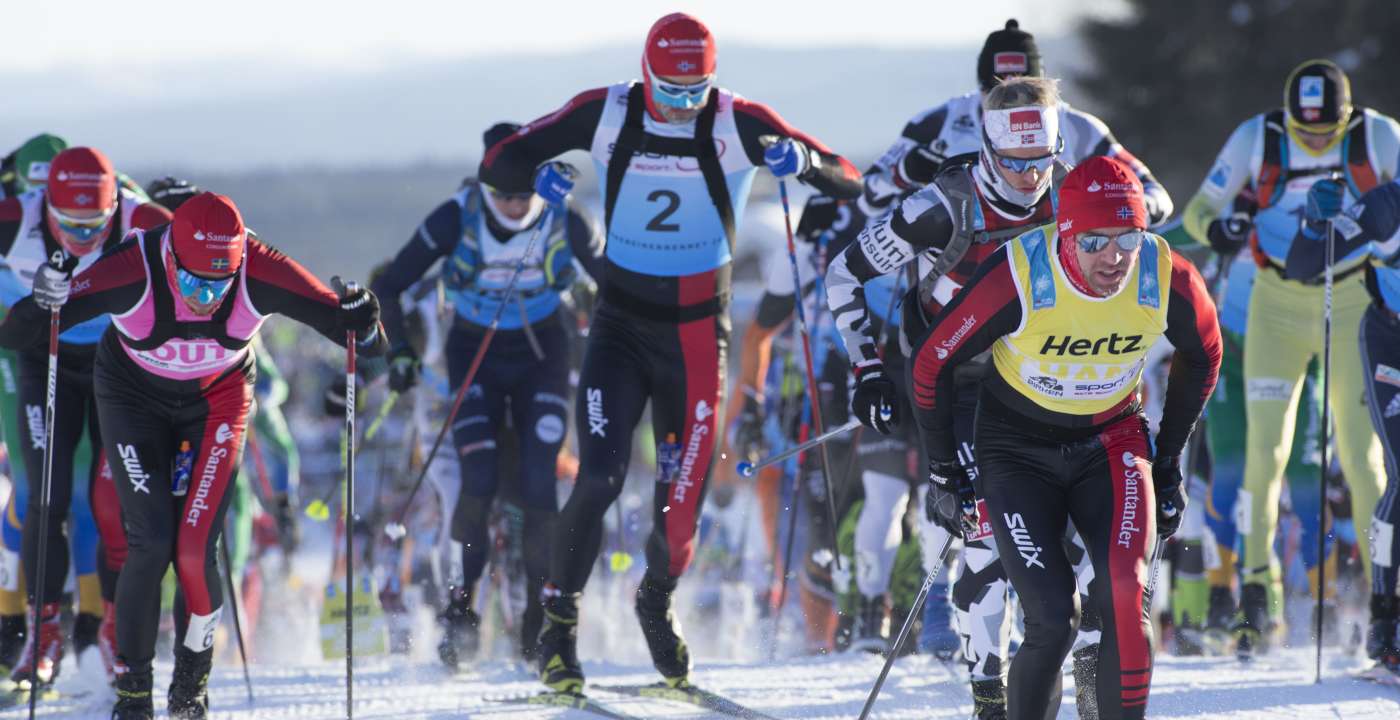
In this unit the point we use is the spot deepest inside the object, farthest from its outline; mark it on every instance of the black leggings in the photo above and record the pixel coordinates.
(679, 367)
(1033, 487)
(145, 431)
(533, 388)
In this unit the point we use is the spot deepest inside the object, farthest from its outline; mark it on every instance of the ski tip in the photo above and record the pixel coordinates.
(745, 469)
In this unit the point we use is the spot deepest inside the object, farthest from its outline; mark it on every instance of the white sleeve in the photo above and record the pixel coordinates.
(1384, 146)
(1234, 166)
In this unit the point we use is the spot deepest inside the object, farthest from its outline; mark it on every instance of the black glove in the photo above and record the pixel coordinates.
(748, 428)
(1171, 500)
(403, 369)
(951, 503)
(1228, 236)
(874, 401)
(358, 311)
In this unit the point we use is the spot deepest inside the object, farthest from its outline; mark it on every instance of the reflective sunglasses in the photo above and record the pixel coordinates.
(1127, 242)
(84, 229)
(682, 97)
(1042, 163)
(203, 291)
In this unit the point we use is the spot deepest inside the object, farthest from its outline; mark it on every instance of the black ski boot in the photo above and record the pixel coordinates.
(189, 684)
(530, 624)
(1253, 630)
(560, 670)
(133, 686)
(662, 631)
(1086, 681)
(845, 626)
(871, 632)
(13, 631)
(460, 629)
(989, 699)
(85, 630)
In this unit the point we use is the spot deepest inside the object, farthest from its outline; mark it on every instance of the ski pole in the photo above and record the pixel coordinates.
(237, 620)
(378, 420)
(812, 389)
(747, 469)
(348, 507)
(909, 621)
(45, 494)
(396, 529)
(1331, 252)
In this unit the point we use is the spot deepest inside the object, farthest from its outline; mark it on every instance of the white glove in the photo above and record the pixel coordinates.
(51, 287)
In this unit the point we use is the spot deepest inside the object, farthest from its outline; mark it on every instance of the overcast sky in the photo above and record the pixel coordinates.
(92, 34)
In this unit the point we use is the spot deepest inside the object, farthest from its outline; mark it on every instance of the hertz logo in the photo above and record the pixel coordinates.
(1068, 345)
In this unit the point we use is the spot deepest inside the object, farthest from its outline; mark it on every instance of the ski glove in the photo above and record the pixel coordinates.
(554, 181)
(1171, 500)
(951, 503)
(875, 402)
(358, 311)
(1228, 236)
(1324, 200)
(52, 282)
(403, 369)
(786, 157)
(748, 428)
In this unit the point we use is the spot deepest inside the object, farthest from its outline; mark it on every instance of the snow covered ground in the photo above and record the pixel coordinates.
(831, 687)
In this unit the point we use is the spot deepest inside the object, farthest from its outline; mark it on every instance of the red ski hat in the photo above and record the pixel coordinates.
(207, 235)
(1098, 193)
(82, 178)
(679, 44)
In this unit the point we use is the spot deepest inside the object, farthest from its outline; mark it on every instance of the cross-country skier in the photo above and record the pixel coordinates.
(1370, 227)
(481, 233)
(175, 367)
(678, 156)
(1068, 311)
(78, 213)
(1281, 153)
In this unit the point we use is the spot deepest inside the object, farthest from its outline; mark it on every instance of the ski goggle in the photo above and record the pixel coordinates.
(1041, 163)
(202, 291)
(81, 228)
(681, 97)
(1127, 242)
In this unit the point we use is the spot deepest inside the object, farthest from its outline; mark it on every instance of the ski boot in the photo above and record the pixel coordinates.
(288, 524)
(938, 637)
(845, 625)
(189, 684)
(989, 699)
(560, 670)
(1220, 618)
(1381, 636)
(872, 628)
(12, 636)
(133, 688)
(1254, 629)
(50, 644)
(1086, 681)
(460, 629)
(662, 630)
(87, 635)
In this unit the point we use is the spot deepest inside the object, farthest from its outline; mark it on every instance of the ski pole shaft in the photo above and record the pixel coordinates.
(748, 469)
(909, 621)
(36, 593)
(378, 420)
(395, 529)
(813, 390)
(1331, 253)
(237, 619)
(349, 505)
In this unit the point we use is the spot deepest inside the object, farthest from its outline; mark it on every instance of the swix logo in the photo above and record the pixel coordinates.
(1030, 552)
(1132, 480)
(208, 474)
(1068, 345)
(137, 474)
(943, 348)
(1026, 121)
(703, 411)
(686, 480)
(35, 416)
(596, 421)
